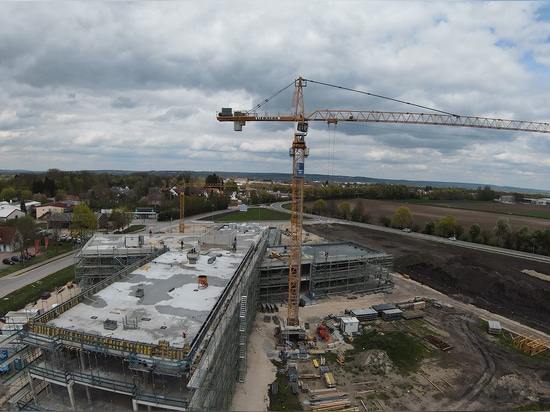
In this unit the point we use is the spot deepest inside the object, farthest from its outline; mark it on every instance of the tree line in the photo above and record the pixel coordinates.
(123, 192)
(524, 239)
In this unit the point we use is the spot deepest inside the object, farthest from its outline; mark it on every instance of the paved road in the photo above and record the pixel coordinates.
(26, 276)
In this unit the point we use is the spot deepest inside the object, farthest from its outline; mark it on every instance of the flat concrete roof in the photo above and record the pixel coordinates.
(323, 252)
(172, 303)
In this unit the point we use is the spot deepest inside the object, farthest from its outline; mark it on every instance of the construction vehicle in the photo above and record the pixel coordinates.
(299, 152)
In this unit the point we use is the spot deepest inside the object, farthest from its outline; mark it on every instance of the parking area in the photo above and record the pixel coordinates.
(10, 255)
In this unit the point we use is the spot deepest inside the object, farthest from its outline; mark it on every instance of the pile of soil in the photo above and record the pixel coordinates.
(502, 284)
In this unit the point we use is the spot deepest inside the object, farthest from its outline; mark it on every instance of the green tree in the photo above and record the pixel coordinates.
(319, 207)
(447, 225)
(332, 209)
(486, 194)
(84, 222)
(26, 194)
(429, 227)
(358, 212)
(384, 221)
(502, 229)
(264, 197)
(7, 193)
(253, 199)
(545, 242)
(402, 217)
(475, 231)
(231, 186)
(61, 194)
(523, 238)
(486, 235)
(344, 209)
(121, 217)
(26, 227)
(536, 239)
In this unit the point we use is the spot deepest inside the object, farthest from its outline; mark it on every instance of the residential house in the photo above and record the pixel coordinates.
(58, 221)
(102, 220)
(44, 211)
(72, 200)
(10, 239)
(10, 211)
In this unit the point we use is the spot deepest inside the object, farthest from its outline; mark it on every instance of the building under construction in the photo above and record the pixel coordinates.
(168, 327)
(327, 268)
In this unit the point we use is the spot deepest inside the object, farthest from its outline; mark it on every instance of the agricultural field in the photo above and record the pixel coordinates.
(484, 214)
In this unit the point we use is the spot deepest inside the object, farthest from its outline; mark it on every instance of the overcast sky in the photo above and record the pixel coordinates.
(137, 85)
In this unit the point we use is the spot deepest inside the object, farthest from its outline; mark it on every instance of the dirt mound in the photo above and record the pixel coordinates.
(375, 362)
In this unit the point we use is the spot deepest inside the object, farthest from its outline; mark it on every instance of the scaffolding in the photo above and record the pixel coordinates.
(95, 264)
(219, 363)
(243, 339)
(340, 267)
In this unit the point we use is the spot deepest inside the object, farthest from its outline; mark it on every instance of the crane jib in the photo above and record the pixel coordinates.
(335, 116)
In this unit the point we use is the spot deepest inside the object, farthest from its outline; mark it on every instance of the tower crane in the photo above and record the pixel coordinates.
(179, 190)
(299, 152)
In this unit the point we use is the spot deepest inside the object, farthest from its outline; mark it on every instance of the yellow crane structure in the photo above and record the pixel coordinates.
(179, 190)
(299, 152)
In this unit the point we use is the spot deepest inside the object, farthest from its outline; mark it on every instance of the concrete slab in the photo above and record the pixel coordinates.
(174, 305)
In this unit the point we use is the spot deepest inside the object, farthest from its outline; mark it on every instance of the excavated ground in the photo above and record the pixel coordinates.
(478, 373)
(499, 283)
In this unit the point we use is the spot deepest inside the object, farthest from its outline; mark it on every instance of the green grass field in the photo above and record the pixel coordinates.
(252, 215)
(31, 293)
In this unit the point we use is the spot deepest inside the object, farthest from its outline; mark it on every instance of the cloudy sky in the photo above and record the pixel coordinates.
(137, 85)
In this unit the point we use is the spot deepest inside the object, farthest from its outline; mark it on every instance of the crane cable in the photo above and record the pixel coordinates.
(383, 97)
(268, 98)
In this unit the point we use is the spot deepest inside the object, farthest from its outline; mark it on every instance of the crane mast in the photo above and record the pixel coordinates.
(299, 152)
(181, 194)
(182, 210)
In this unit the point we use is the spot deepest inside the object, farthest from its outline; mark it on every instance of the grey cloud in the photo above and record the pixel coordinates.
(122, 102)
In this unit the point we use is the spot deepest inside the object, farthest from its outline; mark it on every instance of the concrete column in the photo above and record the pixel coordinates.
(89, 395)
(29, 377)
(71, 395)
(83, 367)
(135, 406)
